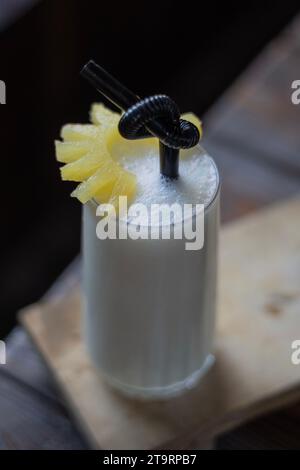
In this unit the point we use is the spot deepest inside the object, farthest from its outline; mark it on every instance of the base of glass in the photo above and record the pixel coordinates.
(162, 393)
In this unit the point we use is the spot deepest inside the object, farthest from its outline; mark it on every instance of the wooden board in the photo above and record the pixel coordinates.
(259, 317)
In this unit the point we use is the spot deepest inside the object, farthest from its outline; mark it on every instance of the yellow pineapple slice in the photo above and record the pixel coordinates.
(67, 152)
(103, 194)
(118, 146)
(100, 184)
(75, 132)
(100, 115)
(85, 166)
(102, 179)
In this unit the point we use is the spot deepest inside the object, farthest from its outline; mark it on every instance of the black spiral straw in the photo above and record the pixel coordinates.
(156, 116)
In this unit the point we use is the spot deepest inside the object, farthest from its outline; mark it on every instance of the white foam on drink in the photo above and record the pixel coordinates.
(197, 183)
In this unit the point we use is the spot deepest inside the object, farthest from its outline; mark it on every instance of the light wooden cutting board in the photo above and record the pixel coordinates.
(258, 318)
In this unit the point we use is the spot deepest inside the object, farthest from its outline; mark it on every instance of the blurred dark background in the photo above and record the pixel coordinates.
(188, 50)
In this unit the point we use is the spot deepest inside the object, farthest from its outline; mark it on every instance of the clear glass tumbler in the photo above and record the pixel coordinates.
(149, 306)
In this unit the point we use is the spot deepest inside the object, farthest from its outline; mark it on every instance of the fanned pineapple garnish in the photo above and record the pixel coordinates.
(90, 153)
(85, 152)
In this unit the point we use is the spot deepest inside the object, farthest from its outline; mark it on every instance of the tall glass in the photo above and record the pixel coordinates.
(149, 309)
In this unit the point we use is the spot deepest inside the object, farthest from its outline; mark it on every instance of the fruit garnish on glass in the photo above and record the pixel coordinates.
(93, 155)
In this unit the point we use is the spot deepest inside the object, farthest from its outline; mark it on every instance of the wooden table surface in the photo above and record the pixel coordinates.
(253, 133)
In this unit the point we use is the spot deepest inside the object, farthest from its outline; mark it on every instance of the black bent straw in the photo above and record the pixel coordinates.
(123, 98)
(109, 86)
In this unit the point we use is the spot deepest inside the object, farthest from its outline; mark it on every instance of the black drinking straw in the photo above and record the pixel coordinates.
(109, 86)
(149, 110)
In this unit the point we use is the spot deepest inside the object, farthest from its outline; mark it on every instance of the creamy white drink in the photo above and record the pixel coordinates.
(150, 304)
